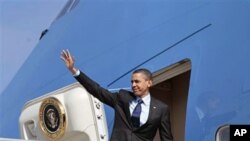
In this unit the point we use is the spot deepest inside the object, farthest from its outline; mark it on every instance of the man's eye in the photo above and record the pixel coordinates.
(135, 81)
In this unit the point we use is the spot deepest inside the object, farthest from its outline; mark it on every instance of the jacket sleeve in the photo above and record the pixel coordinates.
(96, 90)
(165, 127)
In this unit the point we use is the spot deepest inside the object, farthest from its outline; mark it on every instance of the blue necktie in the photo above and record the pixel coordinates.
(135, 118)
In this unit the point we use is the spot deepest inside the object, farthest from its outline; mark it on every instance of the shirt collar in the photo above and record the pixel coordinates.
(146, 99)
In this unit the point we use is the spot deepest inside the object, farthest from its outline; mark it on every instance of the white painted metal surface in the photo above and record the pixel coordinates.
(8, 139)
(85, 116)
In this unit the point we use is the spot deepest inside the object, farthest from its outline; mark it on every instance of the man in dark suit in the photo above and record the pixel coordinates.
(138, 115)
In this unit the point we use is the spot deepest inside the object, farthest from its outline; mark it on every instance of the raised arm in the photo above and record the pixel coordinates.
(91, 86)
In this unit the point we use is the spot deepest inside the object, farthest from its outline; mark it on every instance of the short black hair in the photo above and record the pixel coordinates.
(146, 72)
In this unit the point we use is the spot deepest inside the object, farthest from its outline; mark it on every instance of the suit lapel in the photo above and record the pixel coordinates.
(127, 112)
(152, 109)
(126, 108)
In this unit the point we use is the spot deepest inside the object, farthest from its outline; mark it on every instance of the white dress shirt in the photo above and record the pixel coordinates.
(77, 73)
(144, 108)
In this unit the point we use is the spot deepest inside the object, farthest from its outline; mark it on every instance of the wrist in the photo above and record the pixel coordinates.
(73, 70)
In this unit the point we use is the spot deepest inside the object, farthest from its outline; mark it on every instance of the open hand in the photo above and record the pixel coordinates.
(68, 60)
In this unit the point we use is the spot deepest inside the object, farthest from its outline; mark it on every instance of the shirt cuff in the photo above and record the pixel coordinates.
(77, 73)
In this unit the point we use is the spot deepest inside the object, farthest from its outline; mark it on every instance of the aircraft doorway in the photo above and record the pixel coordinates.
(171, 85)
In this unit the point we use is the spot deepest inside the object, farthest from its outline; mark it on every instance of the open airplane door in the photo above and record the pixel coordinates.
(69, 113)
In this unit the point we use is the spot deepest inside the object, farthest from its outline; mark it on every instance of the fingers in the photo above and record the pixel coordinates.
(68, 60)
(63, 58)
(68, 53)
(66, 56)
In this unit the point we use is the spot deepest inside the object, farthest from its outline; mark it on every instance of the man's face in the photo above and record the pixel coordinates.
(140, 84)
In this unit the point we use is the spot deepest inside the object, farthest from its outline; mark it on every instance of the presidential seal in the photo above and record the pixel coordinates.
(52, 118)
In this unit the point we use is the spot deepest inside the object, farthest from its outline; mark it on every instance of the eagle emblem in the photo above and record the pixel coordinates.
(52, 118)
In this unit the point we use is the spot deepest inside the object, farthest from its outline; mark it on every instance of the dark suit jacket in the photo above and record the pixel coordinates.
(123, 128)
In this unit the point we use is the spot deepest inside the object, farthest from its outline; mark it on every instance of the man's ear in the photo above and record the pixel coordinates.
(150, 83)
